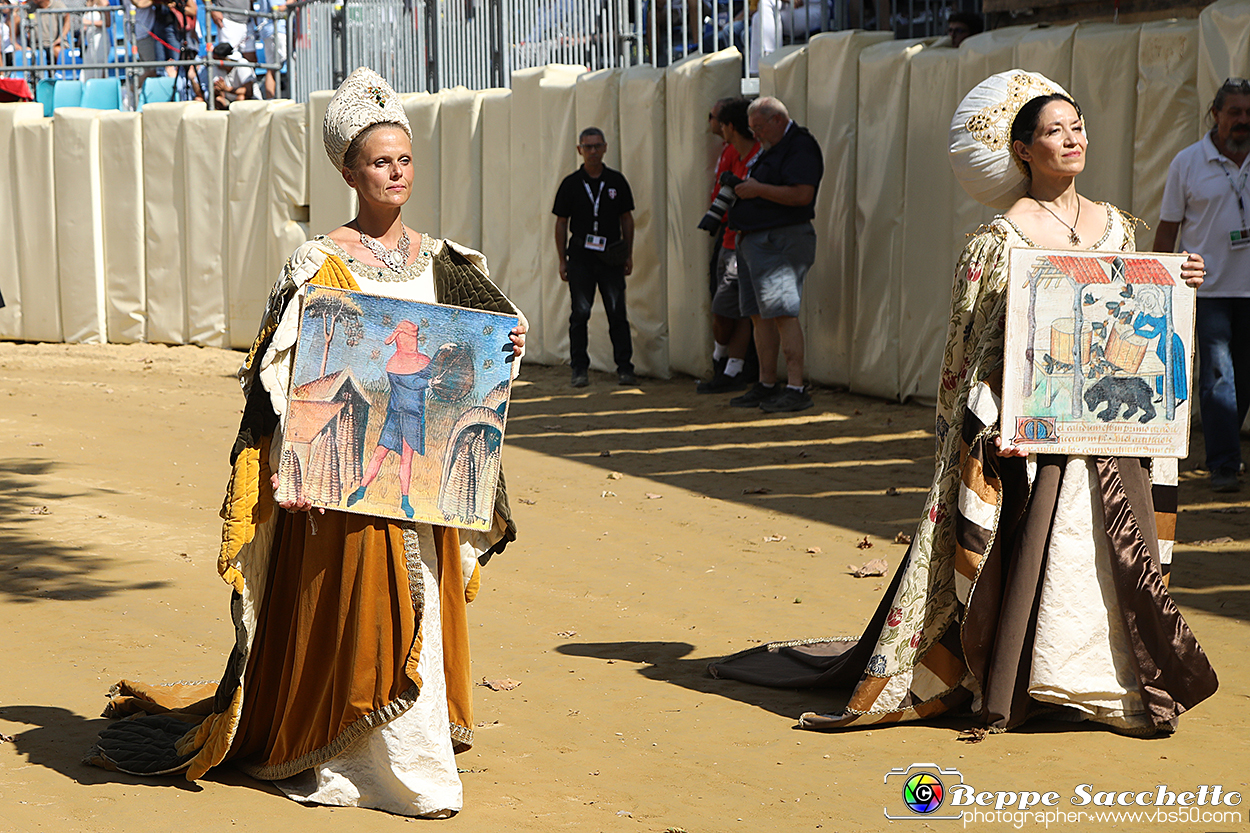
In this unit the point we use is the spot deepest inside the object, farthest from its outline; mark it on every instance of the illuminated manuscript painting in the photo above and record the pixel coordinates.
(397, 408)
(1098, 353)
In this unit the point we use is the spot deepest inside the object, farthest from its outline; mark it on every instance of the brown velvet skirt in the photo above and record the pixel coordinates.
(338, 637)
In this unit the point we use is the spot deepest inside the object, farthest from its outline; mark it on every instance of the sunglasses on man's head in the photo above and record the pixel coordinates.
(1239, 85)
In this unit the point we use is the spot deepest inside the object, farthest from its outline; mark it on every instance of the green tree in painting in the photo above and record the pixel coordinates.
(336, 311)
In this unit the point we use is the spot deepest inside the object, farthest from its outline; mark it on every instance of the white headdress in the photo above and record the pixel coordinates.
(362, 100)
(980, 137)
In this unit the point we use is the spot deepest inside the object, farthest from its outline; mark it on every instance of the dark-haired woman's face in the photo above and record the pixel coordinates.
(1059, 141)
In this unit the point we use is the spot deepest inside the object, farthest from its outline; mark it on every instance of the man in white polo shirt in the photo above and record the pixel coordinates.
(1206, 200)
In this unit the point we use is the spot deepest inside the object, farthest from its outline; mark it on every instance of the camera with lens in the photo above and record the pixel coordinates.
(725, 198)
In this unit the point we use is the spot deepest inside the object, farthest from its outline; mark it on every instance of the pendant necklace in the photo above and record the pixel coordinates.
(1073, 237)
(395, 259)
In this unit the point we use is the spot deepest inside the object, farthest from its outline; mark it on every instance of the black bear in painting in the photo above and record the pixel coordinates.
(1118, 392)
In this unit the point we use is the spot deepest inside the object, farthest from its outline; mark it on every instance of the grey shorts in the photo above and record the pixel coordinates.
(725, 300)
(771, 267)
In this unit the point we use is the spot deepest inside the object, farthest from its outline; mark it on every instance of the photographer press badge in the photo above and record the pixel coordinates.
(594, 242)
(1238, 238)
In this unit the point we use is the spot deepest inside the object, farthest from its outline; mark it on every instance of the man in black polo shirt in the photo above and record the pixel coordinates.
(776, 247)
(594, 245)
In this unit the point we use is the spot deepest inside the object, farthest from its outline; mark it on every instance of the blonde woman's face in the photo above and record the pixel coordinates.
(384, 174)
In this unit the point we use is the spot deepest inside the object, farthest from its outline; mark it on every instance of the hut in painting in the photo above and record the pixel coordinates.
(325, 436)
(1071, 339)
(471, 461)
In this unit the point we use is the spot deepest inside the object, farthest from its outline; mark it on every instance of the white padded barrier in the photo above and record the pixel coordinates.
(529, 217)
(460, 178)
(783, 75)
(693, 85)
(423, 210)
(184, 217)
(248, 184)
(1104, 75)
(555, 140)
(121, 188)
(164, 208)
(204, 224)
(1048, 50)
(828, 311)
(645, 161)
(1223, 52)
(884, 74)
(532, 231)
(1167, 112)
(330, 202)
(285, 214)
(37, 230)
(497, 186)
(930, 243)
(80, 248)
(10, 232)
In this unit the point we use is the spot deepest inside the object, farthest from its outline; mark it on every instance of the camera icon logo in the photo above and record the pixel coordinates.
(923, 790)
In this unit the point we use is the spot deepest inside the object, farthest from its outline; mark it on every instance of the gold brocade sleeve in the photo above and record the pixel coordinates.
(248, 502)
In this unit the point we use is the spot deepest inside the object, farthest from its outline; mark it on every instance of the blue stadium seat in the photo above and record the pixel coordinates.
(160, 88)
(43, 94)
(102, 94)
(66, 94)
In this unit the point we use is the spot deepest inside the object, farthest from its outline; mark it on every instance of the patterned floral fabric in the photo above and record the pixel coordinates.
(910, 663)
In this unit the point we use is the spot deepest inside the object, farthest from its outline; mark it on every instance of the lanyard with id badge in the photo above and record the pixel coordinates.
(1238, 238)
(594, 242)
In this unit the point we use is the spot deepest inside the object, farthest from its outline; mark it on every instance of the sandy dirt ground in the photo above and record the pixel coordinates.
(659, 530)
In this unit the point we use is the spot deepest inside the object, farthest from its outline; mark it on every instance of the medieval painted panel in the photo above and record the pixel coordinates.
(397, 408)
(1098, 352)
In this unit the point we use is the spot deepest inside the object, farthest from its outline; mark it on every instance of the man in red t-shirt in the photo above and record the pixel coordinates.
(731, 331)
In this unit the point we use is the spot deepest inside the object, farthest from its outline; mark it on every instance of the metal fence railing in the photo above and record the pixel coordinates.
(437, 44)
(87, 43)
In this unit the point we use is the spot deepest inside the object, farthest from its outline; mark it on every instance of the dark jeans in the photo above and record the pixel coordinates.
(1223, 326)
(585, 272)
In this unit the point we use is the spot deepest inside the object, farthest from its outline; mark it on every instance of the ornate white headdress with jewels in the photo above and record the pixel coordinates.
(980, 137)
(362, 100)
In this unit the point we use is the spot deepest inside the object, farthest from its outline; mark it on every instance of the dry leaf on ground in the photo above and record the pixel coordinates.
(902, 538)
(876, 567)
(772, 539)
(653, 496)
(606, 493)
(815, 550)
(605, 453)
(974, 735)
(503, 684)
(527, 501)
(566, 634)
(40, 510)
(892, 492)
(864, 544)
